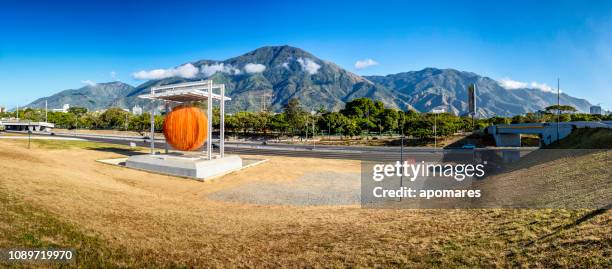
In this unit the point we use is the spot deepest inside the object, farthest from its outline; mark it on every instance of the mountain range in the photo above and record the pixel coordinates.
(270, 76)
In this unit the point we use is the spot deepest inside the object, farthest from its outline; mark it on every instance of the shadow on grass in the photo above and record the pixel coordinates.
(118, 150)
(572, 224)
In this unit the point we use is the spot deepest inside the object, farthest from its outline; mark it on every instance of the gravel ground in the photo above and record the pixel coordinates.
(312, 189)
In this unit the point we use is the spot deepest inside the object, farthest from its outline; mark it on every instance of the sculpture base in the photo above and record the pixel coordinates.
(196, 167)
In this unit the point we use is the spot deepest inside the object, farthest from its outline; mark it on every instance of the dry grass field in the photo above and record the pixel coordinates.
(56, 194)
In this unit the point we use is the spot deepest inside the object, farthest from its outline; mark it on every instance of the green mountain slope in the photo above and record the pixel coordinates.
(269, 76)
(93, 97)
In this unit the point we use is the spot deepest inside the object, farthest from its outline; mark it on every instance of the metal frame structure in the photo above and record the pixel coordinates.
(191, 92)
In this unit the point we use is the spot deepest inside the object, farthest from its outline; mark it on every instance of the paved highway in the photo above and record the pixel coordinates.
(248, 148)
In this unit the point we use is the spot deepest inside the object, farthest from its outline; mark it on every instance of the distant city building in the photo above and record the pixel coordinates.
(596, 110)
(136, 110)
(64, 108)
(472, 99)
(540, 114)
(2, 109)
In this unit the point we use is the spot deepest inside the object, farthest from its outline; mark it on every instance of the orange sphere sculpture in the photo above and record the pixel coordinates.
(186, 128)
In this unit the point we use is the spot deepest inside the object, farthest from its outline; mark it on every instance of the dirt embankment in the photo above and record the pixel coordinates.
(150, 220)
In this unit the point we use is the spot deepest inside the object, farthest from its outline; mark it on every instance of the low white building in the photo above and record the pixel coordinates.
(64, 108)
(137, 110)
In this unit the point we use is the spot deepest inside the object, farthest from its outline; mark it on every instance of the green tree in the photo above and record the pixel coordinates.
(351, 127)
(420, 128)
(89, 121)
(279, 123)
(243, 121)
(388, 120)
(114, 118)
(139, 123)
(561, 108)
(366, 111)
(295, 116)
(77, 111)
(517, 119)
(333, 122)
(362, 108)
(231, 123)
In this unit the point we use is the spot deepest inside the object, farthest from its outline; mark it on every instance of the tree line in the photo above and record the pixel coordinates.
(361, 116)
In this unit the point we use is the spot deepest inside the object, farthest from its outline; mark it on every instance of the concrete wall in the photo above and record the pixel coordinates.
(507, 140)
(509, 135)
(28, 126)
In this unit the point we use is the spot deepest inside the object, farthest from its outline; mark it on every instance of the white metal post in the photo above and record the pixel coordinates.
(435, 129)
(209, 110)
(152, 136)
(167, 110)
(222, 122)
(46, 113)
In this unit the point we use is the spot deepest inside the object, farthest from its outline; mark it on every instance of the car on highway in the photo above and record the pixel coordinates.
(468, 146)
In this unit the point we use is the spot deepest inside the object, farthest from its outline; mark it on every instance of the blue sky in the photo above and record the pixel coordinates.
(49, 46)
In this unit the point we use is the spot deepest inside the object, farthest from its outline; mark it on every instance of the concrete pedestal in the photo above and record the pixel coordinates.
(196, 167)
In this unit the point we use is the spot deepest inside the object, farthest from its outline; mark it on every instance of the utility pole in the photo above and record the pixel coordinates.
(313, 113)
(306, 130)
(436, 131)
(402, 152)
(314, 145)
(17, 112)
(264, 101)
(46, 111)
(558, 107)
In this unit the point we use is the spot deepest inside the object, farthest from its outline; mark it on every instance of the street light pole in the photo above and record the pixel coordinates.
(314, 145)
(436, 130)
(313, 113)
(436, 112)
(306, 129)
(402, 152)
(558, 107)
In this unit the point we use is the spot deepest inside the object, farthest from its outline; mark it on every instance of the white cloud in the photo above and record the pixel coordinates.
(113, 74)
(210, 70)
(361, 64)
(513, 85)
(88, 82)
(184, 71)
(309, 65)
(254, 68)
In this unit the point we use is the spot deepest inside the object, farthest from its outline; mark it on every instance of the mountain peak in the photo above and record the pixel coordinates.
(279, 49)
(109, 84)
(271, 56)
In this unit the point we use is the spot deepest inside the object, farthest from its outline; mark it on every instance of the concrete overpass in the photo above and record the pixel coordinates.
(509, 135)
(26, 125)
